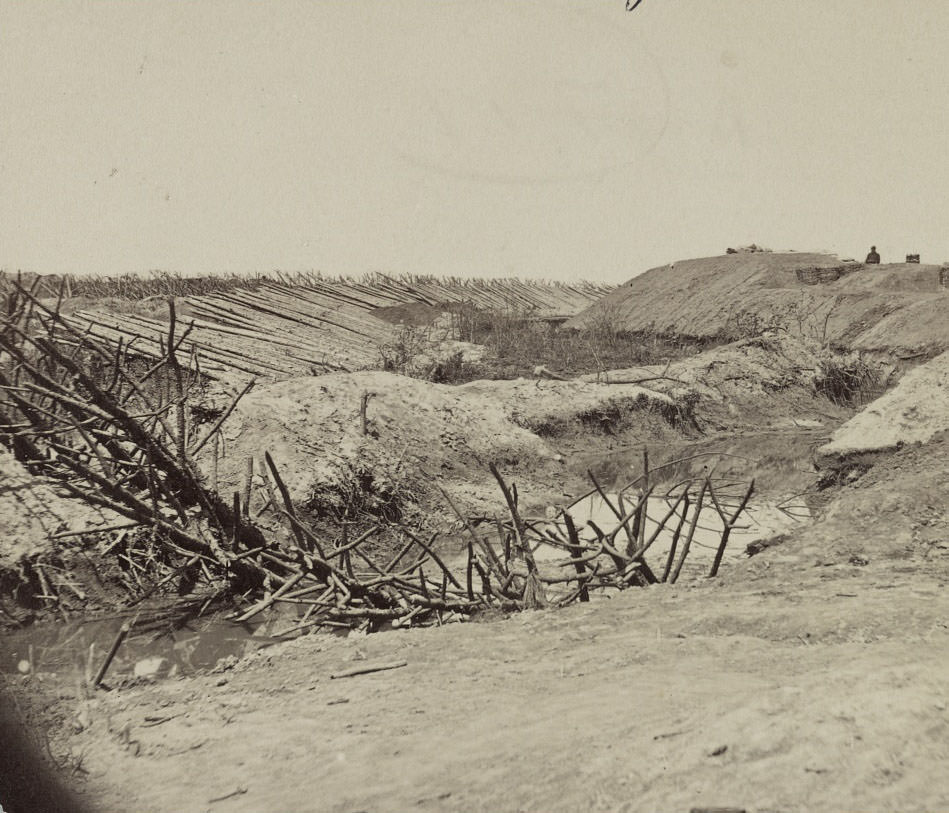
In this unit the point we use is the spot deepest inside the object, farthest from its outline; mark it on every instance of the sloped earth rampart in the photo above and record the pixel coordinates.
(891, 308)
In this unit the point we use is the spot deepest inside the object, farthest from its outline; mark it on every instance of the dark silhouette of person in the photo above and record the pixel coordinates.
(873, 257)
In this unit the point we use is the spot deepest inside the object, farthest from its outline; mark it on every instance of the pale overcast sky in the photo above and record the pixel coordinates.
(477, 137)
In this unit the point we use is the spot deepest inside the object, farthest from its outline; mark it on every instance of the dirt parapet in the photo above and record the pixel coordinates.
(550, 408)
(416, 436)
(894, 307)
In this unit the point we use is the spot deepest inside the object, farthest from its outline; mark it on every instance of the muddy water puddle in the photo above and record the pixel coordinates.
(76, 650)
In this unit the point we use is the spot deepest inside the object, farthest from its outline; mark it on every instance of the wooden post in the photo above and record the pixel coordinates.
(576, 552)
(119, 638)
(248, 481)
(363, 408)
(645, 503)
(692, 527)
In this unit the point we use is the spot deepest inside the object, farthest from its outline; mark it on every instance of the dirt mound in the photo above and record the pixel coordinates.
(765, 382)
(552, 408)
(417, 435)
(32, 510)
(896, 307)
(914, 411)
(893, 517)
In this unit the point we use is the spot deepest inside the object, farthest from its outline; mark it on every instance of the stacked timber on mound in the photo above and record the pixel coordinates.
(273, 332)
(545, 299)
(376, 290)
(277, 330)
(894, 307)
(824, 274)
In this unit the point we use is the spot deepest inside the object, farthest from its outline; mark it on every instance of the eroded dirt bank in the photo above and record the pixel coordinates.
(912, 412)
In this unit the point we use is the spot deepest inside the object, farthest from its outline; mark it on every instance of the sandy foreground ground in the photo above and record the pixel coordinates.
(812, 677)
(833, 697)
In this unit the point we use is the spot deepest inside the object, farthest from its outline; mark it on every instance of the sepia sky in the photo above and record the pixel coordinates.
(547, 139)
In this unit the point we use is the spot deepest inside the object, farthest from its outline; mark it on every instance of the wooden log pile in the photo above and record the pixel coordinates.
(270, 333)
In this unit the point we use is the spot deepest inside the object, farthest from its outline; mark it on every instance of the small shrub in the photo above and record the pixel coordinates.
(397, 356)
(748, 324)
(846, 380)
(450, 370)
(415, 353)
(363, 489)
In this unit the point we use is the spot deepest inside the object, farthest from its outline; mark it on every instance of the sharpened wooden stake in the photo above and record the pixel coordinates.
(119, 638)
(576, 551)
(675, 536)
(641, 540)
(248, 481)
(468, 569)
(688, 540)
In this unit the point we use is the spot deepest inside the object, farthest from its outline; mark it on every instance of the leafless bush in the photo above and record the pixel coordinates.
(846, 379)
(363, 493)
(421, 352)
(805, 319)
(398, 356)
